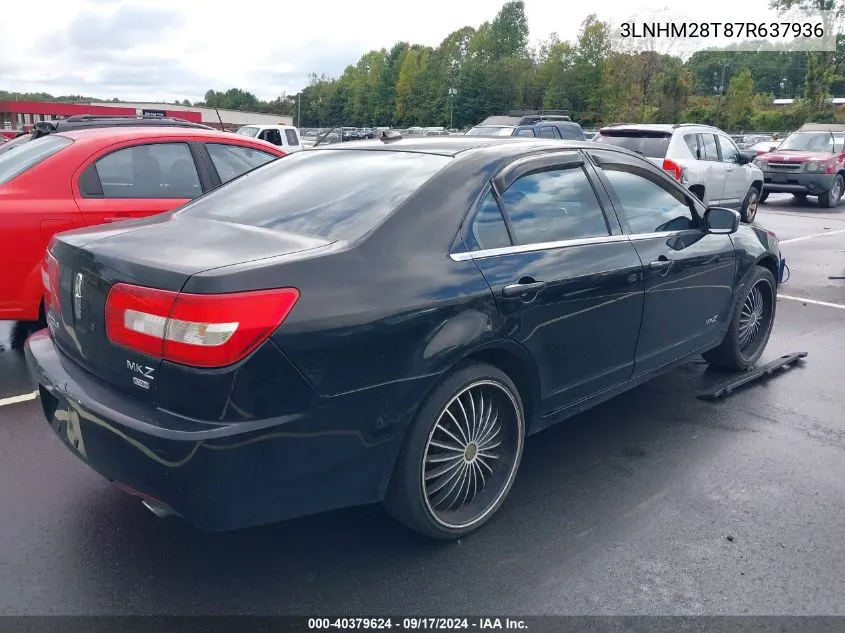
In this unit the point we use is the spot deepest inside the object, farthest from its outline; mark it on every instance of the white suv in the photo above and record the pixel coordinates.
(703, 158)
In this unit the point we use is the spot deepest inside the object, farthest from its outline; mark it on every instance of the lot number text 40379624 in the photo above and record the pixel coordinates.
(417, 624)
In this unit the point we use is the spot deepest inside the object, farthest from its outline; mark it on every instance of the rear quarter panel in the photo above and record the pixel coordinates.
(391, 309)
(33, 207)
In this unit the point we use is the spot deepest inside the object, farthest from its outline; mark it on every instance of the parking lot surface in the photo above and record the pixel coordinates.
(653, 503)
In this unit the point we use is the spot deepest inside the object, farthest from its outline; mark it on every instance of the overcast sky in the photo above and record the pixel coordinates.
(165, 50)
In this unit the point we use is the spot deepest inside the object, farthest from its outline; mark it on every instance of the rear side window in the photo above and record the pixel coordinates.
(26, 156)
(291, 137)
(231, 161)
(692, 143)
(525, 132)
(649, 144)
(547, 131)
(291, 194)
(709, 151)
(157, 170)
(488, 228)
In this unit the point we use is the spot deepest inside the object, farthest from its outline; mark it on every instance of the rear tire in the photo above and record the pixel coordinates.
(831, 197)
(748, 210)
(751, 323)
(461, 454)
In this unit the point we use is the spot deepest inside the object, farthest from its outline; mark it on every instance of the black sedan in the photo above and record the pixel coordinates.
(384, 321)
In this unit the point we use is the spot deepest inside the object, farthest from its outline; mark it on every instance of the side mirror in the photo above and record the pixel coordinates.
(719, 220)
(745, 157)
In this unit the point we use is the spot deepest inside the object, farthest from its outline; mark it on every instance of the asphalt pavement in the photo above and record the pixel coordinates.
(653, 503)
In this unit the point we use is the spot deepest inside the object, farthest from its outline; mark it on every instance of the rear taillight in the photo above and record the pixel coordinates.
(50, 280)
(197, 330)
(673, 168)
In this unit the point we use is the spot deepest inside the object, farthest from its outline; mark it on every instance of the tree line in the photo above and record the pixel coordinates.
(490, 69)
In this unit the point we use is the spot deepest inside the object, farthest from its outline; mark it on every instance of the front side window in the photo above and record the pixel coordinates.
(271, 135)
(29, 154)
(554, 205)
(488, 229)
(649, 206)
(231, 161)
(291, 194)
(730, 154)
(248, 130)
(157, 170)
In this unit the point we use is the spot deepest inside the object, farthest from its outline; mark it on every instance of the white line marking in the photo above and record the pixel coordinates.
(813, 301)
(811, 237)
(16, 399)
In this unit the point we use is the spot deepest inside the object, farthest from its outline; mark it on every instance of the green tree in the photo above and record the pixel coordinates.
(739, 101)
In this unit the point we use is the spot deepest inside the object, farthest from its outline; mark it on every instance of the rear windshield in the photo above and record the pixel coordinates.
(332, 194)
(26, 156)
(17, 142)
(490, 130)
(649, 144)
(248, 131)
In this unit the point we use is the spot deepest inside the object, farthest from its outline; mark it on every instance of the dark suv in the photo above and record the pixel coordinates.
(537, 123)
(87, 121)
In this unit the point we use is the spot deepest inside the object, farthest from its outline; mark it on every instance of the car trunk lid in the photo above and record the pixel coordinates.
(160, 254)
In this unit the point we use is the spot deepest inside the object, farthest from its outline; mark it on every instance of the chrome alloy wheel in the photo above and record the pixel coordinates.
(753, 319)
(472, 454)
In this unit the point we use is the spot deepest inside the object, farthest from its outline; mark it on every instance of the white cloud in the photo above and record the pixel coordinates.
(163, 50)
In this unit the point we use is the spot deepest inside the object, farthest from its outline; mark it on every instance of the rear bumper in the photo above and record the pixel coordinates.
(215, 476)
(809, 184)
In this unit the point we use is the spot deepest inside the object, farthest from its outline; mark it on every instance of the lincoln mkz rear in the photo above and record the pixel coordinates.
(384, 322)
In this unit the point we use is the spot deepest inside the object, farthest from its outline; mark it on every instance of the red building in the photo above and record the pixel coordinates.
(16, 115)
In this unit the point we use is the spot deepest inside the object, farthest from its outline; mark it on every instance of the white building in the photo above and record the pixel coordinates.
(231, 118)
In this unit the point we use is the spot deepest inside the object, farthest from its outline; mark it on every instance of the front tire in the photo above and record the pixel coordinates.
(764, 196)
(751, 323)
(831, 197)
(748, 211)
(461, 455)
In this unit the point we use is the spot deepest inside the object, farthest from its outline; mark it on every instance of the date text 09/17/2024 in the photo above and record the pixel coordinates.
(416, 624)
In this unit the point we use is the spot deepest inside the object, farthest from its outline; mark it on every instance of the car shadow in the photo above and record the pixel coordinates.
(576, 478)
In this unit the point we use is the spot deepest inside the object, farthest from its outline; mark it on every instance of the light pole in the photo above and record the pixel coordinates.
(452, 93)
(299, 109)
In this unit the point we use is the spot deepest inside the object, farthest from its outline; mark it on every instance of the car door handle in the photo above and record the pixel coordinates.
(660, 264)
(729, 169)
(517, 289)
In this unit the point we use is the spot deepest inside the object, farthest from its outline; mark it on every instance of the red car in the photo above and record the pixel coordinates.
(69, 180)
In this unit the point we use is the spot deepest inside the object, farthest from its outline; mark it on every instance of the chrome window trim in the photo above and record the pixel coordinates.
(544, 246)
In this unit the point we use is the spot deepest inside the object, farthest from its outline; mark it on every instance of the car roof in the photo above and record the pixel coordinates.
(455, 145)
(130, 132)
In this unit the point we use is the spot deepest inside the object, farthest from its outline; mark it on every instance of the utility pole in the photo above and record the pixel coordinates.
(299, 109)
(721, 90)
